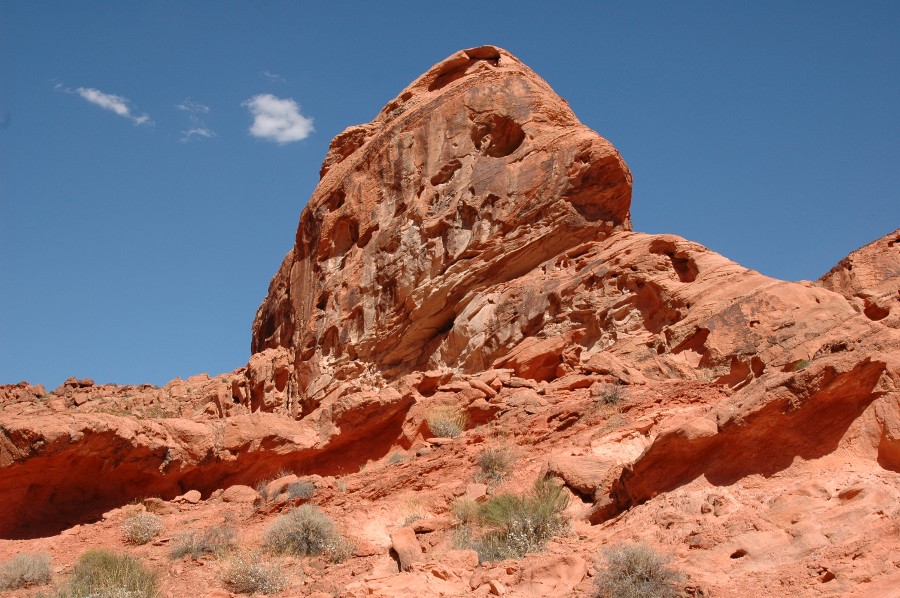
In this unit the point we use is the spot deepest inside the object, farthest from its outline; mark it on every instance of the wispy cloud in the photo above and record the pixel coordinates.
(198, 128)
(114, 103)
(272, 76)
(197, 132)
(193, 107)
(277, 119)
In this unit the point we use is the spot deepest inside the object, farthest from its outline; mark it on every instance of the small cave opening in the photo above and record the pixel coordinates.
(875, 312)
(682, 263)
(496, 135)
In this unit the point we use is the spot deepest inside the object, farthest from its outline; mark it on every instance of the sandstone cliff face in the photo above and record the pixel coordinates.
(475, 175)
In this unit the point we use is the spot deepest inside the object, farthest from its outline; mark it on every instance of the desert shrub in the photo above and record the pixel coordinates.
(262, 488)
(494, 464)
(306, 531)
(464, 509)
(446, 422)
(213, 540)
(410, 519)
(397, 457)
(252, 574)
(140, 528)
(609, 394)
(516, 525)
(106, 574)
(796, 367)
(24, 570)
(303, 489)
(635, 571)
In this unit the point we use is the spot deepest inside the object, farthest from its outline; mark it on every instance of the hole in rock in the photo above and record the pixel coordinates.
(875, 312)
(322, 303)
(757, 365)
(344, 235)
(738, 375)
(367, 236)
(850, 493)
(446, 172)
(684, 266)
(739, 553)
(496, 135)
(335, 200)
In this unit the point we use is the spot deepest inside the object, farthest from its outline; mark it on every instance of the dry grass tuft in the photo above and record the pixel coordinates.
(140, 528)
(25, 570)
(213, 540)
(306, 531)
(253, 574)
(106, 574)
(635, 571)
(447, 421)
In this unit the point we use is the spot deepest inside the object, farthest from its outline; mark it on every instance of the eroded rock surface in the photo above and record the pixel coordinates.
(870, 279)
(475, 175)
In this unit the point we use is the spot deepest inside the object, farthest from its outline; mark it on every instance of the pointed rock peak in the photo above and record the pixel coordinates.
(474, 176)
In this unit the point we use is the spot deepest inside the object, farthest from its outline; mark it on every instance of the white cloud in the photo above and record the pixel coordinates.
(277, 119)
(203, 132)
(111, 102)
(197, 128)
(272, 76)
(193, 107)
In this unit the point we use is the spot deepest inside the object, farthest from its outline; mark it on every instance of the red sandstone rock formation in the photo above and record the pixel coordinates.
(472, 248)
(474, 176)
(870, 279)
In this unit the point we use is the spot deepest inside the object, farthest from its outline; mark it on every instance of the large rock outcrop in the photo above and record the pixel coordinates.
(475, 175)
(870, 279)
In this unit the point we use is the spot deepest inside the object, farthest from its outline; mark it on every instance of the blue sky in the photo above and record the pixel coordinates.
(155, 156)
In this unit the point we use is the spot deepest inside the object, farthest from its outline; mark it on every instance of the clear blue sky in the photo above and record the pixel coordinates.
(141, 218)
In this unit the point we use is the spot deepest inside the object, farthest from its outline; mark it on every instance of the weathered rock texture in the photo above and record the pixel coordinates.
(470, 251)
(475, 175)
(870, 278)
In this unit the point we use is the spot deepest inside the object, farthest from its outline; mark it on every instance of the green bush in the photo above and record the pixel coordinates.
(635, 571)
(494, 464)
(513, 526)
(306, 531)
(24, 570)
(446, 422)
(214, 540)
(252, 574)
(106, 574)
(140, 528)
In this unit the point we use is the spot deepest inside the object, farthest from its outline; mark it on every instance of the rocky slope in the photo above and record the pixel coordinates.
(471, 248)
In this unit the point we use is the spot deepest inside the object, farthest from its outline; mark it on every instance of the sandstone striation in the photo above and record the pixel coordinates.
(469, 252)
